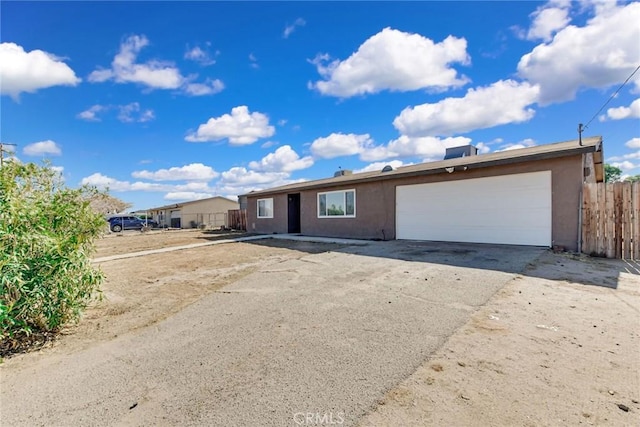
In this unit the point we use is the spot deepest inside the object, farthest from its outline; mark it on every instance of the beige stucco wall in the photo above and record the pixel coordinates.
(375, 203)
(207, 212)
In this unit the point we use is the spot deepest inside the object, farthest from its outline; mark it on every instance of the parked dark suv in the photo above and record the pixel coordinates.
(129, 222)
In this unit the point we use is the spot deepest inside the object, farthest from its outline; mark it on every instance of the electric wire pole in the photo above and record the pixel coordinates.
(2, 144)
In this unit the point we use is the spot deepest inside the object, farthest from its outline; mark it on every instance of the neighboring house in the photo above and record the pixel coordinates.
(203, 213)
(528, 196)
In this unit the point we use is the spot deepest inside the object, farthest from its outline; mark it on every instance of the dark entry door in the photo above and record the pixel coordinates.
(294, 213)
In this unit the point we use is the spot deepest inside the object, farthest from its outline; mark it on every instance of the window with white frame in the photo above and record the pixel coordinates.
(337, 204)
(265, 208)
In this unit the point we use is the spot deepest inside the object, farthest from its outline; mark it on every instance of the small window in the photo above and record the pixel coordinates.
(265, 208)
(337, 204)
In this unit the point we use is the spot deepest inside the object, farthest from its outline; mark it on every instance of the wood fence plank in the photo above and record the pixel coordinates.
(610, 249)
(617, 213)
(601, 226)
(635, 220)
(587, 215)
(626, 221)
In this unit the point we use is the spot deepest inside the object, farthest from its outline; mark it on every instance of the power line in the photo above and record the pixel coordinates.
(610, 98)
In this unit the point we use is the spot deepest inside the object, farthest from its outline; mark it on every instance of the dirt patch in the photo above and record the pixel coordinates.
(139, 292)
(557, 346)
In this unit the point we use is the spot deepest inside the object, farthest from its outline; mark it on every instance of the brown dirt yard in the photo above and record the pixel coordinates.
(557, 344)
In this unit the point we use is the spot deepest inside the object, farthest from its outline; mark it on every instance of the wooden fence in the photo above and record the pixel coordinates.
(238, 219)
(611, 220)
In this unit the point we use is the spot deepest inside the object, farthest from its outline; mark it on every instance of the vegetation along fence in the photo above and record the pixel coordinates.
(611, 220)
(238, 219)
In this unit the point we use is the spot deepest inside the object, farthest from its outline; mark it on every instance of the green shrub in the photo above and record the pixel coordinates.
(47, 234)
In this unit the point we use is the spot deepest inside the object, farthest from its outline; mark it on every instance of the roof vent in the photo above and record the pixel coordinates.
(387, 168)
(343, 172)
(462, 151)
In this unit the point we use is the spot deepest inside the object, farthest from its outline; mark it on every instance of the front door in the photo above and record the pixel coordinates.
(294, 213)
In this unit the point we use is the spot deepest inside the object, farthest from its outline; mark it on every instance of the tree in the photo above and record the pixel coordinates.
(105, 204)
(47, 234)
(633, 178)
(612, 173)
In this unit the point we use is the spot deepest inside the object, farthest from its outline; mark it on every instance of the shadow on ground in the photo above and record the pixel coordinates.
(526, 260)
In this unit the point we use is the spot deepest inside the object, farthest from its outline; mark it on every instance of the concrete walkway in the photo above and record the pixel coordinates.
(235, 240)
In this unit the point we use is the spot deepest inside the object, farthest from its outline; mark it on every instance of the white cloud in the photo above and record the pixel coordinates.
(625, 165)
(602, 53)
(191, 172)
(429, 148)
(209, 87)
(132, 113)
(91, 114)
(377, 166)
(339, 144)
(240, 127)
(59, 169)
(284, 159)
(128, 113)
(22, 71)
(289, 29)
(503, 102)
(239, 180)
(633, 143)
(200, 56)
(619, 113)
(548, 19)
(187, 195)
(154, 74)
(514, 146)
(393, 60)
(104, 182)
(42, 148)
(253, 61)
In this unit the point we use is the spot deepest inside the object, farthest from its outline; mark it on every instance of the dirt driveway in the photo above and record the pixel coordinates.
(391, 333)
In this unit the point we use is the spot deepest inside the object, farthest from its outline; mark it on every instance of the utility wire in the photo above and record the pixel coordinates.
(611, 97)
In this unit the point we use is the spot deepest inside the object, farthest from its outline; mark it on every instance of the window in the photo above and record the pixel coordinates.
(337, 204)
(265, 208)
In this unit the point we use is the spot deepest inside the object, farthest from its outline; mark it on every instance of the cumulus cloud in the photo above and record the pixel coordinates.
(42, 148)
(339, 144)
(284, 159)
(428, 148)
(548, 19)
(602, 53)
(503, 102)
(377, 166)
(625, 165)
(209, 87)
(22, 71)
(393, 60)
(128, 113)
(201, 56)
(191, 172)
(187, 195)
(619, 113)
(289, 29)
(105, 182)
(91, 114)
(240, 128)
(154, 74)
(239, 180)
(514, 146)
(132, 113)
(633, 143)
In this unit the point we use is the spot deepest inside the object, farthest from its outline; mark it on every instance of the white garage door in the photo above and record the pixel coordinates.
(508, 209)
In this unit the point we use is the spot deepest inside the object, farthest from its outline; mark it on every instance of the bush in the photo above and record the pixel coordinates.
(47, 234)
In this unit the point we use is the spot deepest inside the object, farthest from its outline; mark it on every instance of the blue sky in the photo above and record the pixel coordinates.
(174, 101)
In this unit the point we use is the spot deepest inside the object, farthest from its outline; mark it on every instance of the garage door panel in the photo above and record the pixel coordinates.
(510, 209)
